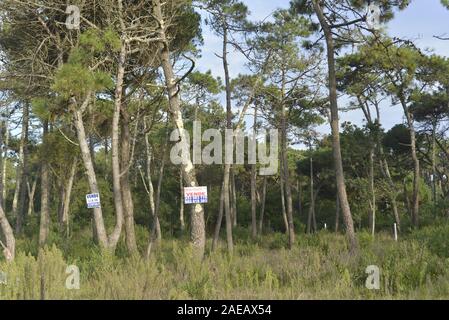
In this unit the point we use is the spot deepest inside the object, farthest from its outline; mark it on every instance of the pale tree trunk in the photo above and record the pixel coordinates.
(335, 128)
(262, 208)
(181, 204)
(254, 184)
(219, 219)
(434, 171)
(21, 173)
(128, 204)
(115, 148)
(45, 194)
(31, 193)
(2, 159)
(198, 231)
(299, 187)
(99, 227)
(10, 247)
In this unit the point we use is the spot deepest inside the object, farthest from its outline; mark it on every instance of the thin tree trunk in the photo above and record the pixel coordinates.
(18, 208)
(45, 197)
(262, 208)
(198, 231)
(284, 213)
(181, 204)
(65, 218)
(337, 214)
(372, 217)
(233, 199)
(311, 208)
(254, 184)
(335, 128)
(415, 195)
(5, 159)
(219, 219)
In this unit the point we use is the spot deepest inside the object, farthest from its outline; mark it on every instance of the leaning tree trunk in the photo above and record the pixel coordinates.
(335, 128)
(198, 232)
(99, 227)
(10, 248)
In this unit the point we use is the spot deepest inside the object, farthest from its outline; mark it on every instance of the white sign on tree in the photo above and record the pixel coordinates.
(93, 200)
(195, 195)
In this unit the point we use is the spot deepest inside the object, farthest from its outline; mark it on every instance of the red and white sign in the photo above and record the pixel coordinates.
(195, 195)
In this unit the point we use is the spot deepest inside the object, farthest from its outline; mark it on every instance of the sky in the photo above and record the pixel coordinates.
(420, 22)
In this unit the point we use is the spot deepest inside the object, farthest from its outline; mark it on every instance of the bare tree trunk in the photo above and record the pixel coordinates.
(115, 149)
(415, 196)
(150, 190)
(299, 188)
(372, 217)
(45, 194)
(198, 232)
(4, 151)
(284, 213)
(234, 199)
(181, 204)
(311, 208)
(254, 184)
(262, 208)
(65, 219)
(10, 248)
(128, 204)
(99, 227)
(335, 126)
(219, 220)
(18, 206)
(158, 199)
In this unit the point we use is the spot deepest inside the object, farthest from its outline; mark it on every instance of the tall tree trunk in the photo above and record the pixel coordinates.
(4, 163)
(335, 128)
(181, 203)
(198, 232)
(128, 204)
(372, 217)
(254, 184)
(284, 212)
(99, 228)
(262, 207)
(311, 208)
(227, 167)
(285, 169)
(434, 171)
(45, 196)
(18, 207)
(115, 148)
(234, 198)
(150, 190)
(415, 195)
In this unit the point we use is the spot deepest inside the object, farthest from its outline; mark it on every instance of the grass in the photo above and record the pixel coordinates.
(318, 267)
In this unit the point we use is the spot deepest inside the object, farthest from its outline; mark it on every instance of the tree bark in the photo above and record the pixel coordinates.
(128, 204)
(9, 249)
(335, 128)
(262, 207)
(31, 193)
(45, 197)
(219, 220)
(198, 232)
(181, 204)
(254, 184)
(372, 217)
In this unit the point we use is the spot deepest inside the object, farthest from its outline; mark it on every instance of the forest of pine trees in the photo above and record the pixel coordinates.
(96, 95)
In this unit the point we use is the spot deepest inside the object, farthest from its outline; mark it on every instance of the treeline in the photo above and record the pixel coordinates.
(90, 110)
